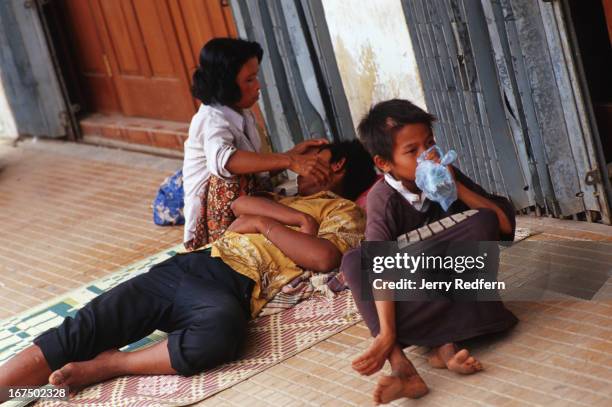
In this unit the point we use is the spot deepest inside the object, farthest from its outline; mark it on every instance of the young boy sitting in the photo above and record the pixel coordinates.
(396, 132)
(204, 299)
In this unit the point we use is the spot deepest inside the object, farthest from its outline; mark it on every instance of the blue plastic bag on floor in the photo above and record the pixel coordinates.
(434, 178)
(168, 204)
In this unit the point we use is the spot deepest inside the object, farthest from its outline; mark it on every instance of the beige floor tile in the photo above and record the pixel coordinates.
(68, 220)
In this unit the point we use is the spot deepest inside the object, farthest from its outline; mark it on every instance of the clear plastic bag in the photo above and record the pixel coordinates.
(434, 178)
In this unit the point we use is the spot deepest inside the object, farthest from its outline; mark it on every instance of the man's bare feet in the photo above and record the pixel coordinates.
(447, 357)
(373, 359)
(77, 375)
(403, 382)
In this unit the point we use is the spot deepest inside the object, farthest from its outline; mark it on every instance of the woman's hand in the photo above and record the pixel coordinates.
(310, 166)
(306, 146)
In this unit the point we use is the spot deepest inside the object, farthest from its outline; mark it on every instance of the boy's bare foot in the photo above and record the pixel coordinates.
(447, 357)
(77, 375)
(373, 359)
(394, 387)
(403, 382)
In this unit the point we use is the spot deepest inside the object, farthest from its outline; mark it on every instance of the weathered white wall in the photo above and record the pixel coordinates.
(8, 129)
(374, 53)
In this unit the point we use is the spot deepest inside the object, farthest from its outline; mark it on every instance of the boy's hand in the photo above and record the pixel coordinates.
(452, 172)
(250, 206)
(433, 156)
(309, 225)
(258, 224)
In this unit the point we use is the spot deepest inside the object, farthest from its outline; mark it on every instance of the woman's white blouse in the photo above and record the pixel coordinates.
(215, 133)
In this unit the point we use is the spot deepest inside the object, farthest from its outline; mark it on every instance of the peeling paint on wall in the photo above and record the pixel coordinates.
(374, 53)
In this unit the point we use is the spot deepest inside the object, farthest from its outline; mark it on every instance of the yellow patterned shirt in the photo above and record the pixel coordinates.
(341, 222)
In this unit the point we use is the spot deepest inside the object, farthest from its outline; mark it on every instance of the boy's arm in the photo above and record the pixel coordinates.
(382, 217)
(250, 205)
(386, 316)
(475, 200)
(305, 250)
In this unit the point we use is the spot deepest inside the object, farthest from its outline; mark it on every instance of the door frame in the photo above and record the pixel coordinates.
(585, 107)
(68, 115)
(57, 113)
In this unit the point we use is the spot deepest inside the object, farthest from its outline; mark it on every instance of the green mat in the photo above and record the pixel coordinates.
(18, 332)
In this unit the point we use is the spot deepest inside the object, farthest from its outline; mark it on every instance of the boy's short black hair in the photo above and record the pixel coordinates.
(214, 80)
(378, 127)
(359, 169)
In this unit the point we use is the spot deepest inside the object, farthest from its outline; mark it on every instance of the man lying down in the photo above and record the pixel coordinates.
(204, 299)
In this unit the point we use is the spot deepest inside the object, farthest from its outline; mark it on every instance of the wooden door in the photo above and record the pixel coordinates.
(144, 58)
(88, 56)
(136, 56)
(196, 22)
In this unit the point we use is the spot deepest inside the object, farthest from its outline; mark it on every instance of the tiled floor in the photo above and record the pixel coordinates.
(560, 354)
(72, 213)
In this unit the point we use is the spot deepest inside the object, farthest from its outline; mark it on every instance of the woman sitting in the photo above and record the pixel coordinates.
(222, 152)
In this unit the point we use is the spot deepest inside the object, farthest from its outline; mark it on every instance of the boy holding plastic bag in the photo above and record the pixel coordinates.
(420, 188)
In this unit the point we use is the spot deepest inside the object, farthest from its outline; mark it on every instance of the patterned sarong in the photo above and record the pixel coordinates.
(216, 213)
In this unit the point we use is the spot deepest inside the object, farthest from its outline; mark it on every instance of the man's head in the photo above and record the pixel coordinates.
(396, 132)
(352, 170)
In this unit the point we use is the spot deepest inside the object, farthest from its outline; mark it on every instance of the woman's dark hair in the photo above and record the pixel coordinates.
(359, 167)
(214, 80)
(378, 127)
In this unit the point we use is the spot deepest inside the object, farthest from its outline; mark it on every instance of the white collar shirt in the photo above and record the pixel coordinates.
(419, 201)
(215, 133)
